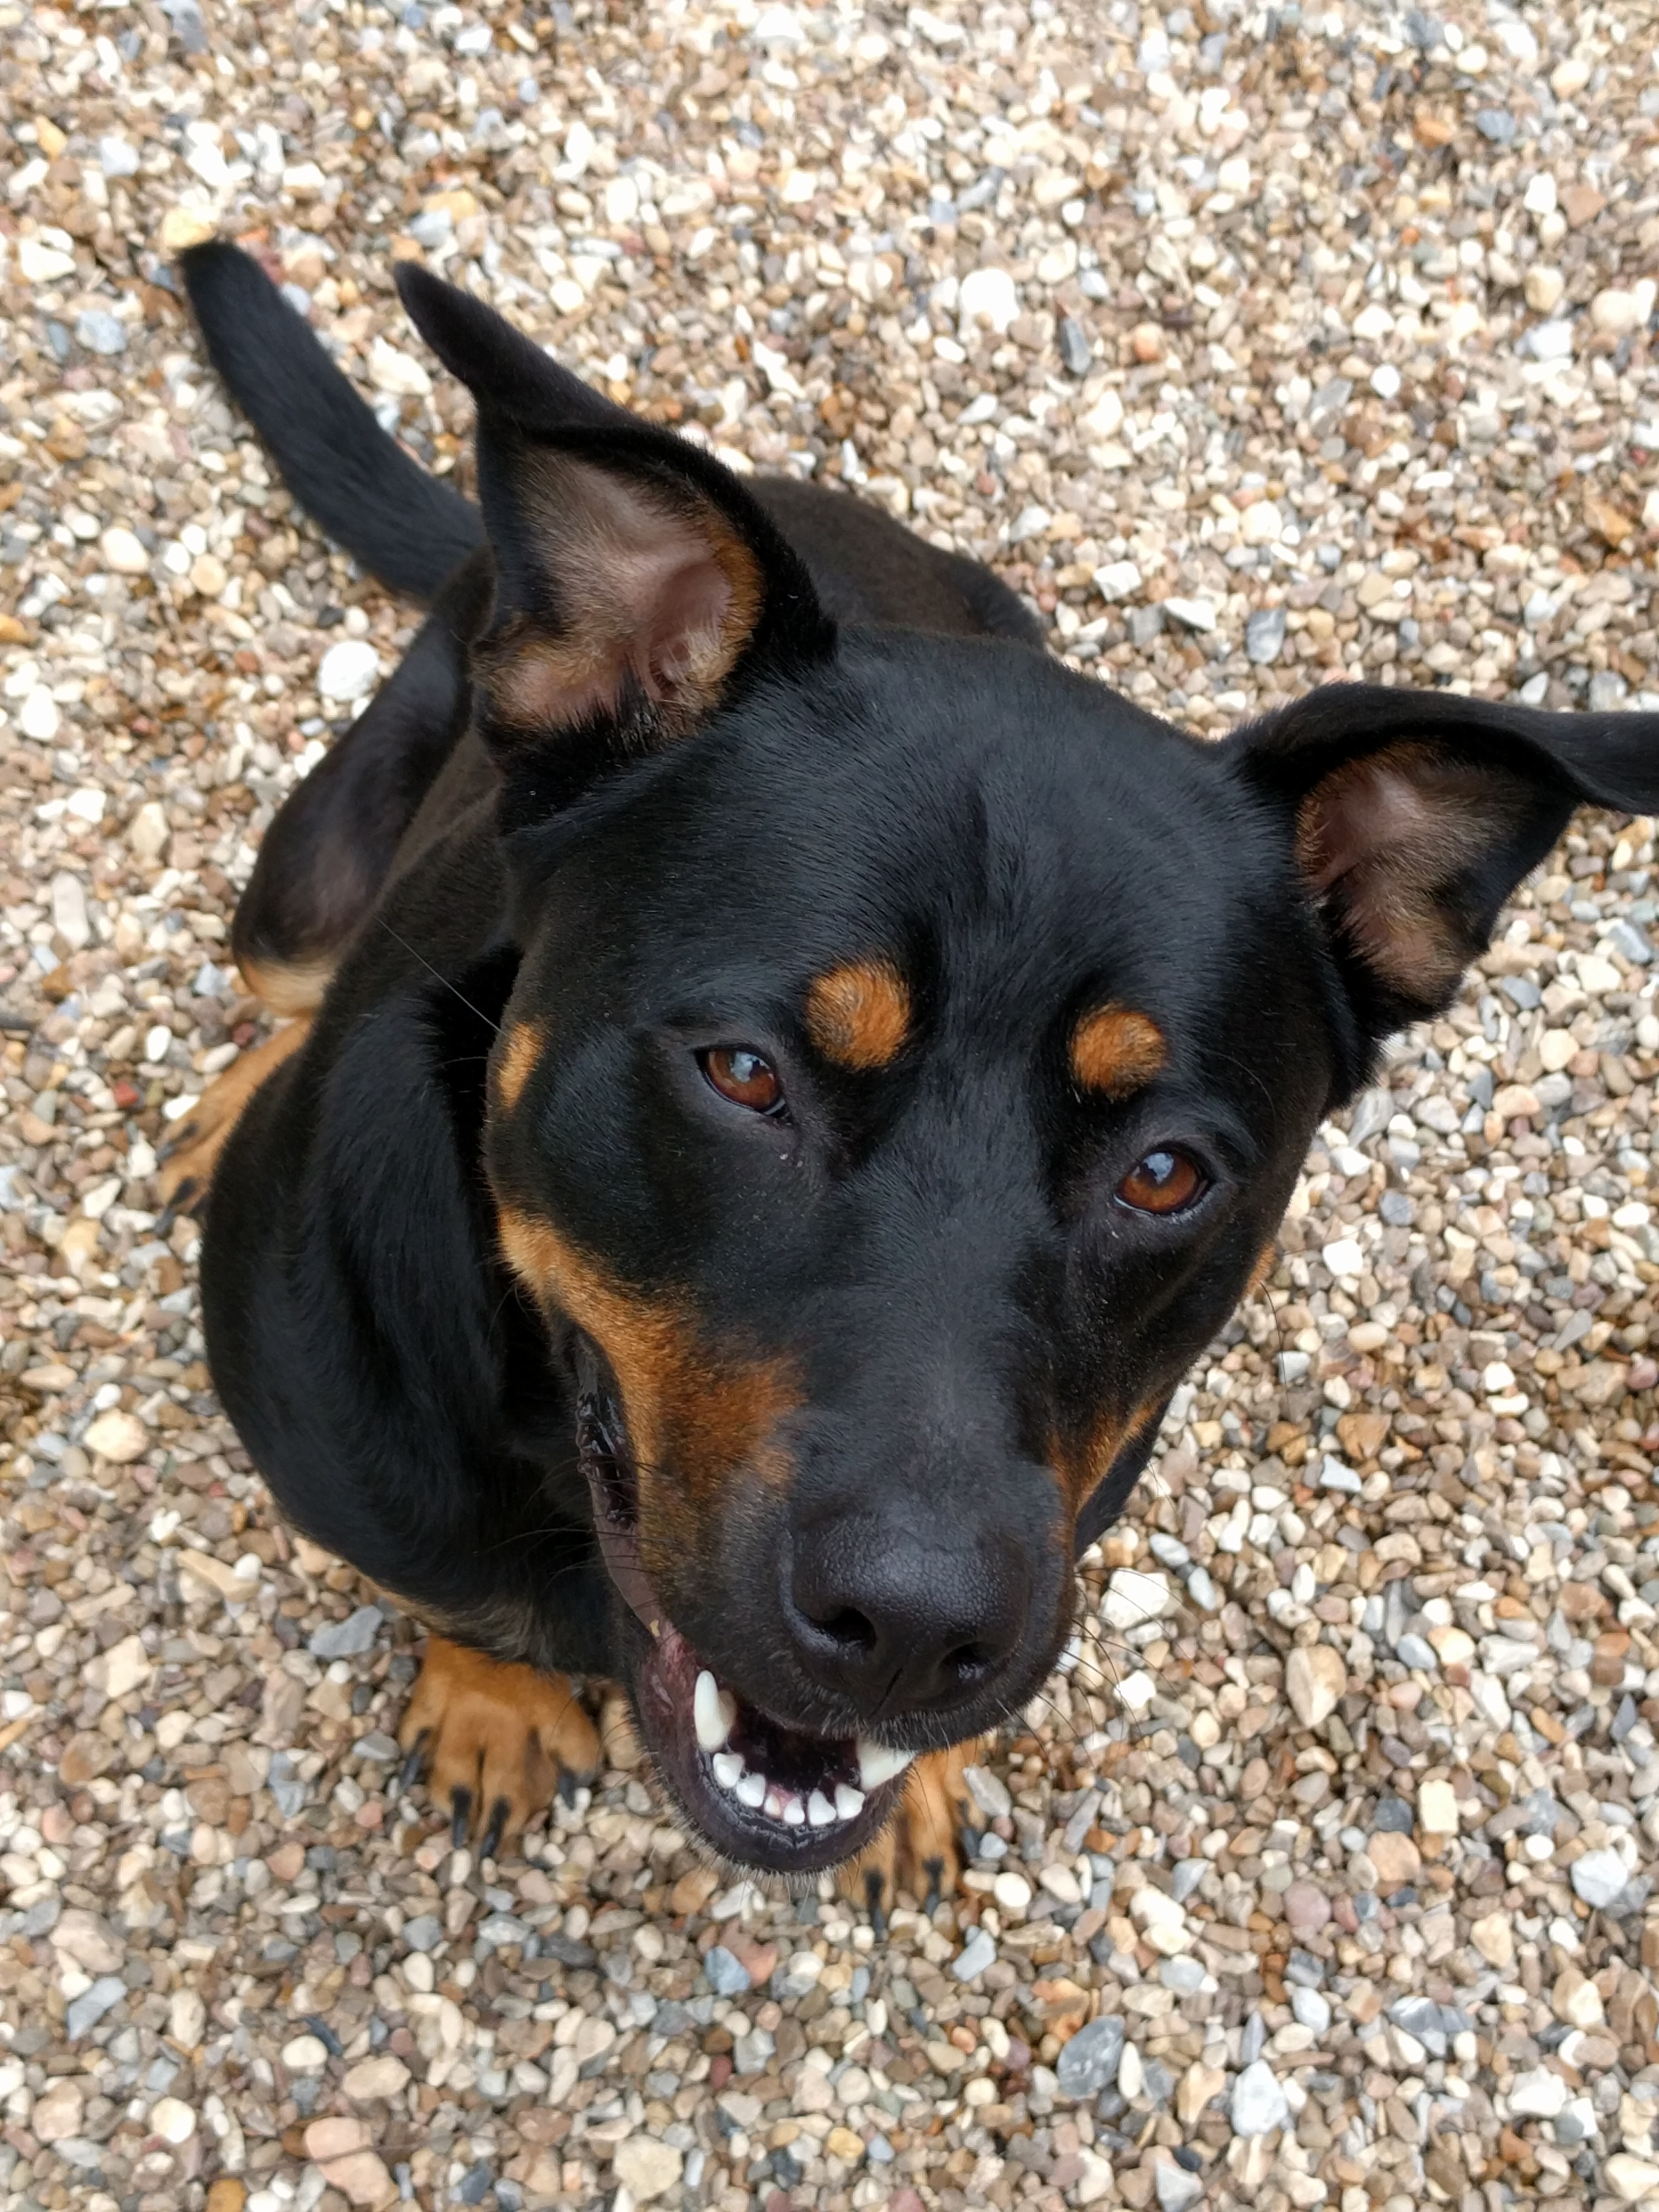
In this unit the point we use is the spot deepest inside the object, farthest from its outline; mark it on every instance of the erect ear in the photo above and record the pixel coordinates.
(1414, 814)
(639, 587)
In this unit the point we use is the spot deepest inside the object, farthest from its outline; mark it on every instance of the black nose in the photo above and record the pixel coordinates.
(894, 1620)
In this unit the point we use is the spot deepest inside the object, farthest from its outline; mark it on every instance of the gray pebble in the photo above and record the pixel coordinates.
(1089, 2063)
(978, 1953)
(99, 331)
(1075, 350)
(1495, 123)
(84, 2012)
(725, 1974)
(1145, 624)
(1264, 636)
(1258, 2104)
(349, 1638)
(1412, 1650)
(1394, 1817)
(424, 1932)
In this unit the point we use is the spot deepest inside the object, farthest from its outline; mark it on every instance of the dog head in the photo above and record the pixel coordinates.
(911, 1053)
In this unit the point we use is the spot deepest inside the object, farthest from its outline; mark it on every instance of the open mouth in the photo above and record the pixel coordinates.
(761, 1794)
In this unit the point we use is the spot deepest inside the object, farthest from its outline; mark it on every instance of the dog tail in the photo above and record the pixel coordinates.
(373, 499)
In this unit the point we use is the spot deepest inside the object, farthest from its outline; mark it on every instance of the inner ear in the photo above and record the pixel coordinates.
(616, 588)
(1398, 846)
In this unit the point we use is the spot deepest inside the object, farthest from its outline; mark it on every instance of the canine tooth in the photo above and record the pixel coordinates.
(709, 1712)
(794, 1814)
(751, 1791)
(848, 1802)
(819, 1811)
(877, 1764)
(728, 1769)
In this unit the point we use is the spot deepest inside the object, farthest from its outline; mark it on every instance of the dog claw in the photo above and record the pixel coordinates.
(874, 1885)
(934, 1869)
(490, 1844)
(461, 1816)
(567, 1788)
(409, 1772)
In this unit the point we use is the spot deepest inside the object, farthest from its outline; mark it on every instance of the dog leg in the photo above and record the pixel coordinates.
(193, 1151)
(920, 1850)
(494, 1740)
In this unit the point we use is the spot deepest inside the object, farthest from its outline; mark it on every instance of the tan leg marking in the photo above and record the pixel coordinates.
(193, 1149)
(494, 1740)
(919, 1849)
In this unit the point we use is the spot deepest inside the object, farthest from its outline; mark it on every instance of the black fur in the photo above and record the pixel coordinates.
(932, 1262)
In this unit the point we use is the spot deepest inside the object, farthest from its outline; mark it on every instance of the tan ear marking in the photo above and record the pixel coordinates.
(520, 1049)
(1115, 1051)
(859, 1015)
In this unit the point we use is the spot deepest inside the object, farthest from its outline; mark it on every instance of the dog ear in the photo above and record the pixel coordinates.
(1414, 815)
(639, 587)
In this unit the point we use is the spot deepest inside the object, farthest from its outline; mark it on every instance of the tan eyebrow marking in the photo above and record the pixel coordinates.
(520, 1050)
(1116, 1050)
(859, 1015)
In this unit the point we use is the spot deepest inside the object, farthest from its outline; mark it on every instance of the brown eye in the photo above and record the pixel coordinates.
(744, 1078)
(1163, 1183)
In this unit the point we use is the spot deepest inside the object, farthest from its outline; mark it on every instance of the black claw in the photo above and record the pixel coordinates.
(874, 1885)
(412, 1768)
(567, 1788)
(934, 1870)
(461, 1803)
(490, 1842)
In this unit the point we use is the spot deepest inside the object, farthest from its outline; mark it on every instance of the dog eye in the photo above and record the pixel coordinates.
(743, 1077)
(1163, 1183)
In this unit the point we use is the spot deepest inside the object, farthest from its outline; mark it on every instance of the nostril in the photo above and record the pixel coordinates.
(849, 1628)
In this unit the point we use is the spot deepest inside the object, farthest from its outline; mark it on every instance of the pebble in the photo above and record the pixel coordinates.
(978, 1953)
(123, 551)
(1089, 2061)
(350, 1637)
(348, 671)
(1264, 636)
(99, 331)
(1599, 1877)
(726, 1975)
(644, 2167)
(1315, 1679)
(1258, 2104)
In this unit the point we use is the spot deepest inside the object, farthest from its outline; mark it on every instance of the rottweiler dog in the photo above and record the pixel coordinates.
(786, 1076)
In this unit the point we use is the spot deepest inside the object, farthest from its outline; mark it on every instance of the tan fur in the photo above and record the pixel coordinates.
(859, 1015)
(918, 1851)
(698, 1417)
(288, 990)
(515, 1062)
(198, 1139)
(501, 1733)
(649, 587)
(1116, 1051)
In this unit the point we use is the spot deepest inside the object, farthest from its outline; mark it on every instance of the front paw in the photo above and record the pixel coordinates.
(494, 1740)
(920, 1849)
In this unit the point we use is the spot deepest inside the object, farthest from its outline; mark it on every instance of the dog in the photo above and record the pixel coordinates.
(786, 1078)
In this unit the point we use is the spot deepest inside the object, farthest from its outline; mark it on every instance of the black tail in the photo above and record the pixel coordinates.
(405, 527)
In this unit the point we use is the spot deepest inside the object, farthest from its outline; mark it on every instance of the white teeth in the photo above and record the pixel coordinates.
(751, 1791)
(819, 1811)
(877, 1764)
(728, 1769)
(713, 1712)
(849, 1801)
(794, 1817)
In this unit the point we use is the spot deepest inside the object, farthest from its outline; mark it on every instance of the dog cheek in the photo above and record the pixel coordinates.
(722, 1459)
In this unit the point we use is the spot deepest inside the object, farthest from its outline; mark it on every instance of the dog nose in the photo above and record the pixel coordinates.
(894, 1620)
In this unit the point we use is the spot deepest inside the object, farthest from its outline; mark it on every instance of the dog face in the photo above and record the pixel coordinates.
(911, 1052)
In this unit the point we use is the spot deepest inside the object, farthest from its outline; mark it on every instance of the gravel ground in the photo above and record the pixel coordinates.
(1256, 346)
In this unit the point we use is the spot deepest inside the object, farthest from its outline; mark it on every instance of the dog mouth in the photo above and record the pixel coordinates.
(765, 1795)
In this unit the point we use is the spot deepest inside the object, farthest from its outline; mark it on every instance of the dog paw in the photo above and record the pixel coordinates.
(493, 1741)
(919, 1853)
(193, 1149)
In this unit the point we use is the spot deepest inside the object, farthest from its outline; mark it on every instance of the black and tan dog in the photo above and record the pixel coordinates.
(788, 1076)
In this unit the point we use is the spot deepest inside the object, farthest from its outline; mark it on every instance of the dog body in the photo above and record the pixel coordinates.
(790, 1076)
